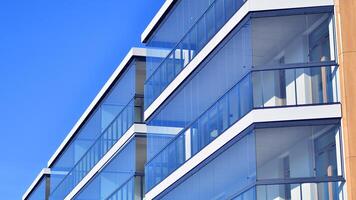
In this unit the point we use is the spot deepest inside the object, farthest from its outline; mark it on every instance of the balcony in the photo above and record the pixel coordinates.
(305, 190)
(218, 13)
(121, 177)
(129, 190)
(130, 114)
(312, 85)
(277, 158)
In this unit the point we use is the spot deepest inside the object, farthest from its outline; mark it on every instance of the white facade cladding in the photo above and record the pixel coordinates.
(230, 99)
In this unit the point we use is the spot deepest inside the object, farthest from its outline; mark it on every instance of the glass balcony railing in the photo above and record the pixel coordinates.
(218, 13)
(301, 190)
(132, 112)
(130, 190)
(258, 89)
(295, 190)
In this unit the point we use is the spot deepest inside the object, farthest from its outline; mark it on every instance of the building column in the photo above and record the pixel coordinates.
(345, 18)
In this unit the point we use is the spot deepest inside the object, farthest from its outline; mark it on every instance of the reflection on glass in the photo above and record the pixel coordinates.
(191, 43)
(301, 191)
(292, 39)
(298, 86)
(271, 90)
(295, 152)
(113, 132)
(223, 176)
(120, 178)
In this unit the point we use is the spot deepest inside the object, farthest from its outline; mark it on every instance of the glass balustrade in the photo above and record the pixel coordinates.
(295, 191)
(218, 13)
(130, 190)
(114, 131)
(300, 191)
(258, 89)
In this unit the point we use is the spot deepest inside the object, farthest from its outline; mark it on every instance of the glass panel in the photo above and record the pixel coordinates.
(291, 39)
(165, 162)
(96, 135)
(326, 190)
(116, 179)
(223, 112)
(303, 191)
(188, 45)
(98, 149)
(228, 173)
(283, 192)
(294, 152)
(299, 86)
(229, 65)
(40, 191)
(234, 105)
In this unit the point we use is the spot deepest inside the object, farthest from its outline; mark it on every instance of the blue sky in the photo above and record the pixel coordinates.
(54, 58)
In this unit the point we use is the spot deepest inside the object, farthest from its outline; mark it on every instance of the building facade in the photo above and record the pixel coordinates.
(229, 99)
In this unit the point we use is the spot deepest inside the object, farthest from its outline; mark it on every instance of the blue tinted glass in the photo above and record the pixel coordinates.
(228, 65)
(292, 39)
(39, 192)
(299, 86)
(323, 190)
(222, 177)
(306, 151)
(112, 118)
(117, 178)
(185, 46)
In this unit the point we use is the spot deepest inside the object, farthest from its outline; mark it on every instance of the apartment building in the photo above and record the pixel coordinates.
(230, 99)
